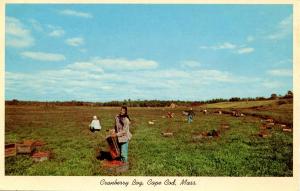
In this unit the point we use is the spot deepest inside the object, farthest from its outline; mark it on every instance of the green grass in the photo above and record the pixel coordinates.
(279, 110)
(238, 152)
(240, 104)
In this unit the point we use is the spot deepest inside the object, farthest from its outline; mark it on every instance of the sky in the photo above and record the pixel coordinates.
(104, 52)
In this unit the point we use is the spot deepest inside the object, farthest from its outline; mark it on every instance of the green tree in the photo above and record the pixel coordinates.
(273, 96)
(289, 94)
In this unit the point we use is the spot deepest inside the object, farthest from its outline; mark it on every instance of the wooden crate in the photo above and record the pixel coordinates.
(283, 126)
(10, 150)
(167, 134)
(287, 130)
(115, 166)
(113, 146)
(270, 125)
(39, 143)
(23, 148)
(40, 156)
(263, 134)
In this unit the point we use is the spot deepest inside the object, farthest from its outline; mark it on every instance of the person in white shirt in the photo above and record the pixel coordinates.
(95, 125)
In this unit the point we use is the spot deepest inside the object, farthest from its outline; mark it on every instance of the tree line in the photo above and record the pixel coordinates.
(147, 103)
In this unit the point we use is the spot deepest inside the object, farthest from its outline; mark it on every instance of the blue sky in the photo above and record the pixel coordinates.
(115, 52)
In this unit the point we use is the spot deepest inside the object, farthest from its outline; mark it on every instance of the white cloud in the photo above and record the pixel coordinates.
(53, 31)
(79, 81)
(51, 26)
(43, 56)
(190, 64)
(283, 63)
(75, 41)
(68, 83)
(85, 66)
(184, 79)
(165, 74)
(286, 61)
(57, 33)
(124, 64)
(240, 49)
(246, 50)
(109, 79)
(250, 38)
(15, 27)
(15, 76)
(83, 50)
(36, 25)
(225, 45)
(76, 13)
(215, 75)
(271, 84)
(16, 34)
(283, 29)
(107, 87)
(281, 72)
(204, 47)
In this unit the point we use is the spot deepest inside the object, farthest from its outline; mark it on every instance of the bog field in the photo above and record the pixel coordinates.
(247, 145)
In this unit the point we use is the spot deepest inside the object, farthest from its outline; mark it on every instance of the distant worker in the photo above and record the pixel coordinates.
(95, 125)
(190, 115)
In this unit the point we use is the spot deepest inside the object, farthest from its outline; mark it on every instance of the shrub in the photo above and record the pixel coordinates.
(280, 102)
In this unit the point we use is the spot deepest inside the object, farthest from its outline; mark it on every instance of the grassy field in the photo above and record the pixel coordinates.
(279, 110)
(239, 151)
(240, 104)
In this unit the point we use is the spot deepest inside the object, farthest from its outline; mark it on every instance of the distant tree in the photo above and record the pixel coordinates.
(289, 94)
(260, 98)
(15, 102)
(216, 100)
(273, 96)
(235, 99)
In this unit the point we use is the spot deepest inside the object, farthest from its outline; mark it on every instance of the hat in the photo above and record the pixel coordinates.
(95, 117)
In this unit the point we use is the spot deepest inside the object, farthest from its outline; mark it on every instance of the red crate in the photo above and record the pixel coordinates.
(39, 143)
(40, 156)
(26, 147)
(263, 134)
(10, 150)
(115, 166)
